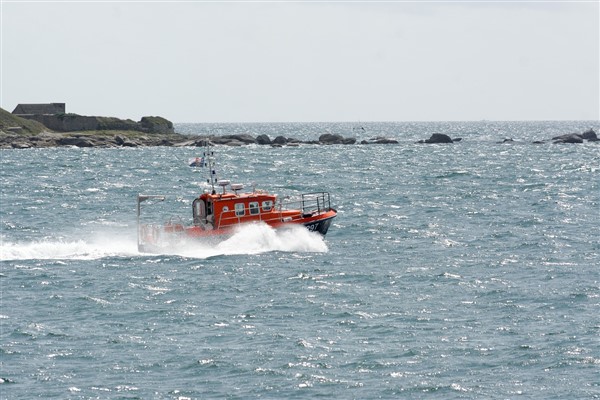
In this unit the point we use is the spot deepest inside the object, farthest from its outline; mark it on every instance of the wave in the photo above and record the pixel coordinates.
(248, 239)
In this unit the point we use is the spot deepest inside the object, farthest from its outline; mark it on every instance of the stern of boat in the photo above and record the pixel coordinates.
(147, 234)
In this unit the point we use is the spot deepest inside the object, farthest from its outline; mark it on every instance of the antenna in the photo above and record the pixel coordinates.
(210, 163)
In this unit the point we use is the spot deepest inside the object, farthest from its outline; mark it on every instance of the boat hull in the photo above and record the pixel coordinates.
(322, 224)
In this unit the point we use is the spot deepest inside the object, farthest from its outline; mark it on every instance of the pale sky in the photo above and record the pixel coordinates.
(194, 61)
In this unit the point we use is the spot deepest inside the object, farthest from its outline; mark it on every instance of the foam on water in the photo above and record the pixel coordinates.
(247, 239)
(92, 249)
(251, 239)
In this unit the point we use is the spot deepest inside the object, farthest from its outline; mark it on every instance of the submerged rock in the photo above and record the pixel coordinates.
(508, 140)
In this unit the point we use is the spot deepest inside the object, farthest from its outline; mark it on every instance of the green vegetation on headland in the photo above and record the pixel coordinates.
(15, 124)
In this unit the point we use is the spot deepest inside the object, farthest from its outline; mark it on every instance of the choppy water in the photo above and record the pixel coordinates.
(455, 271)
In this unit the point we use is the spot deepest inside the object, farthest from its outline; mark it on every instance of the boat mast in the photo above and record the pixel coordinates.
(209, 160)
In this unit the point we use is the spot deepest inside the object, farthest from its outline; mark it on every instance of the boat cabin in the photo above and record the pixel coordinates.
(221, 210)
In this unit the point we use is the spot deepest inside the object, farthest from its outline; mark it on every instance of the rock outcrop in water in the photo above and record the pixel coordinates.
(440, 138)
(588, 135)
(329, 138)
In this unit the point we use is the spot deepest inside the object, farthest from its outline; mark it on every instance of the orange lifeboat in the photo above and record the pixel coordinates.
(218, 213)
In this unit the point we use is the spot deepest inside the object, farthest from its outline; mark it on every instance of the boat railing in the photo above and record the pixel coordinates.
(316, 201)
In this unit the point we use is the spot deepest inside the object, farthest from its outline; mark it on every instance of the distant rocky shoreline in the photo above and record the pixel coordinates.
(80, 131)
(115, 139)
(112, 139)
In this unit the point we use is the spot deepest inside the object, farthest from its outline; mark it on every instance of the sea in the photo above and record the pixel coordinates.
(461, 271)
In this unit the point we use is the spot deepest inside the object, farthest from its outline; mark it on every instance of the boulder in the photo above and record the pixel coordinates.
(438, 138)
(590, 135)
(166, 142)
(201, 142)
(244, 138)
(329, 138)
(20, 145)
(129, 143)
(279, 140)
(263, 139)
(226, 139)
(75, 141)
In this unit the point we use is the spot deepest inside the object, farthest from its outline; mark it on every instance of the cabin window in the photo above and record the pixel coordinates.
(239, 209)
(267, 205)
(253, 206)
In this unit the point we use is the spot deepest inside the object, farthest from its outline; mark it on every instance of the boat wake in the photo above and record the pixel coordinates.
(99, 247)
(247, 239)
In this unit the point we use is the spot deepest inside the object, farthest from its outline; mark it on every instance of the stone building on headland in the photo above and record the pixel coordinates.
(23, 110)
